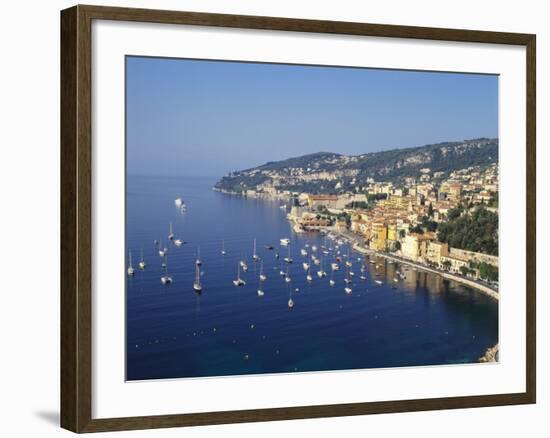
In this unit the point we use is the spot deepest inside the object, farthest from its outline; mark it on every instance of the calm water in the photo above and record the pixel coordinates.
(172, 332)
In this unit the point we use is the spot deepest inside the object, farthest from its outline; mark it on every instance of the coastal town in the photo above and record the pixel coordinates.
(447, 222)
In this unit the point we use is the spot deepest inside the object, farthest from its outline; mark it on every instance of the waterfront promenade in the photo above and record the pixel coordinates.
(358, 246)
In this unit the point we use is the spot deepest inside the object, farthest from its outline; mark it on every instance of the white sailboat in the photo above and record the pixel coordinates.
(198, 262)
(378, 282)
(335, 266)
(320, 272)
(290, 302)
(197, 285)
(178, 202)
(309, 278)
(142, 263)
(285, 241)
(162, 251)
(239, 281)
(223, 247)
(288, 259)
(287, 276)
(171, 233)
(166, 279)
(331, 281)
(306, 266)
(303, 251)
(262, 275)
(255, 256)
(243, 265)
(130, 267)
(178, 242)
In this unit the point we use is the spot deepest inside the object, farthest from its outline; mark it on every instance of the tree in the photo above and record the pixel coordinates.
(402, 234)
(431, 210)
(446, 264)
(476, 232)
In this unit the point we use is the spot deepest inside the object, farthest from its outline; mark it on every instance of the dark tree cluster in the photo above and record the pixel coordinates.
(477, 231)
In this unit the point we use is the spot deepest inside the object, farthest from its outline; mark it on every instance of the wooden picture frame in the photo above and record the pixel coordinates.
(76, 217)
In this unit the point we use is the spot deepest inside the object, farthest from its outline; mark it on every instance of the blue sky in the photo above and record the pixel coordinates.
(192, 118)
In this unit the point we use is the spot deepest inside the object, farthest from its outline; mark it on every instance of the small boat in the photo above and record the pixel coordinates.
(283, 207)
(166, 279)
(287, 277)
(314, 248)
(178, 202)
(378, 282)
(396, 280)
(303, 252)
(321, 273)
(351, 273)
(285, 241)
(335, 266)
(268, 247)
(223, 247)
(316, 261)
(306, 266)
(255, 256)
(349, 264)
(178, 242)
(142, 263)
(239, 281)
(309, 278)
(282, 273)
(197, 285)
(198, 262)
(331, 282)
(348, 290)
(130, 267)
(262, 275)
(277, 255)
(288, 259)
(171, 233)
(362, 277)
(325, 252)
(260, 293)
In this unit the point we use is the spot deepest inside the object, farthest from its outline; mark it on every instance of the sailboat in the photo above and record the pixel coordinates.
(290, 300)
(255, 256)
(166, 279)
(130, 267)
(171, 233)
(178, 242)
(142, 263)
(335, 266)
(331, 281)
(162, 251)
(197, 285)
(347, 280)
(262, 275)
(198, 262)
(308, 276)
(287, 277)
(239, 281)
(262, 279)
(223, 247)
(243, 265)
(288, 259)
(303, 251)
(320, 272)
(348, 288)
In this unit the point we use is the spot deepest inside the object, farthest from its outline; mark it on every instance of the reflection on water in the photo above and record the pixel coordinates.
(422, 319)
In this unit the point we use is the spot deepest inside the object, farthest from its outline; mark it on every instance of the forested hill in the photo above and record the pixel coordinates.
(393, 165)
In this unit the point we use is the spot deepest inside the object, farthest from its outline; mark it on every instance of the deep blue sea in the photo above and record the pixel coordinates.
(173, 332)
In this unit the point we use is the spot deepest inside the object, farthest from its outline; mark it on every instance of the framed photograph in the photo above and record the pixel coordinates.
(270, 218)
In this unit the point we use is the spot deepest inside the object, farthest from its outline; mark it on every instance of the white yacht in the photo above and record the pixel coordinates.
(142, 263)
(197, 285)
(285, 241)
(130, 267)
(239, 281)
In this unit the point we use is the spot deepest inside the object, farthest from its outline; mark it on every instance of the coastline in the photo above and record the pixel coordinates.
(491, 355)
(474, 284)
(355, 244)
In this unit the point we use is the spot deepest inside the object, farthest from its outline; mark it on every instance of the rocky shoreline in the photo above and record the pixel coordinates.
(491, 355)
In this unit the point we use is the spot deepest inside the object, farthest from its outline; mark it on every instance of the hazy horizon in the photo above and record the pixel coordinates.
(183, 114)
